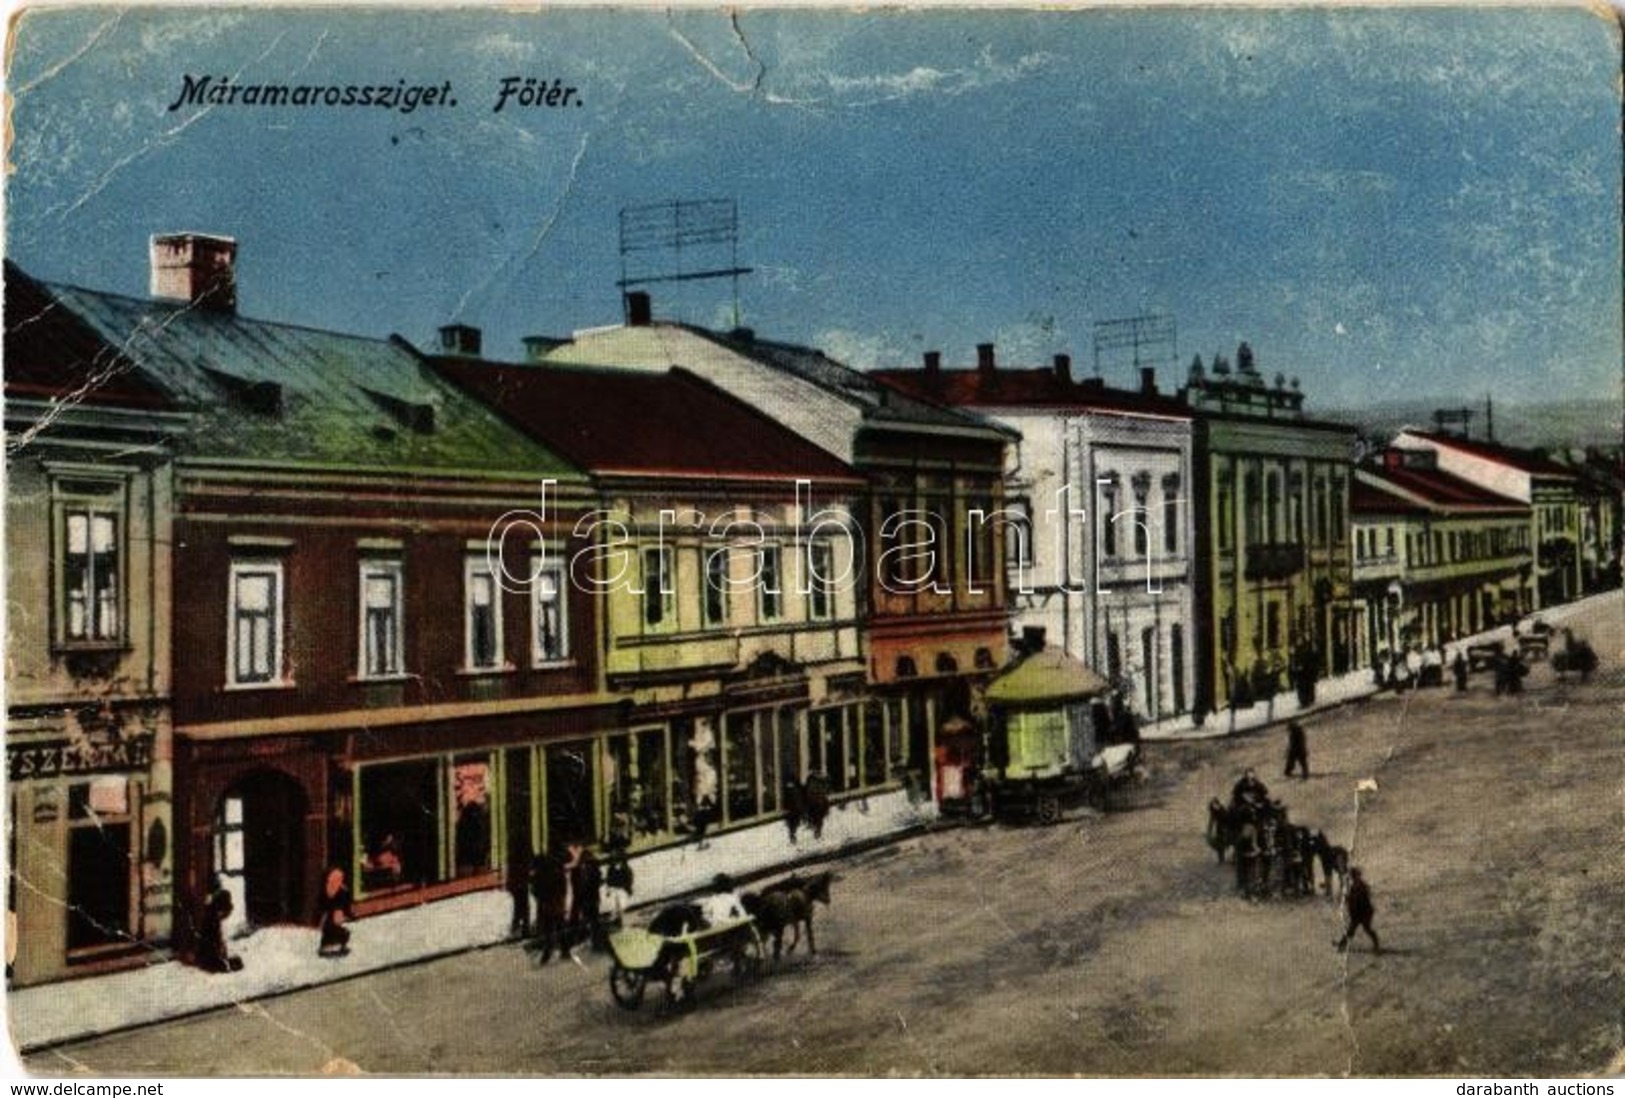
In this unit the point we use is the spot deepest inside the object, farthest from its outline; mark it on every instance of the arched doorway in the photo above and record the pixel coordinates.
(259, 847)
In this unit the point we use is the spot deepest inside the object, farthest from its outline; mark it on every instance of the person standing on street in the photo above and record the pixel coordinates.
(1297, 749)
(1358, 911)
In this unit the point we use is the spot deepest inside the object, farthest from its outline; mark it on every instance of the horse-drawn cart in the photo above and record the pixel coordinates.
(680, 962)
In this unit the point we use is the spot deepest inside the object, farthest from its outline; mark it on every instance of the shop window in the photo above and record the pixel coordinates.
(549, 610)
(875, 748)
(760, 754)
(789, 744)
(482, 616)
(255, 641)
(825, 747)
(471, 805)
(694, 797)
(382, 630)
(637, 785)
(569, 792)
(89, 535)
(400, 810)
(99, 863)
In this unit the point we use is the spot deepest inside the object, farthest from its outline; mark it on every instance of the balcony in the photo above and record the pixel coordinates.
(1273, 562)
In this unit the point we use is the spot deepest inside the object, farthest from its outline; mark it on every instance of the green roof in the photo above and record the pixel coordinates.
(289, 394)
(1047, 676)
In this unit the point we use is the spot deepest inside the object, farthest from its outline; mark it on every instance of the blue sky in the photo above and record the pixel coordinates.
(1385, 203)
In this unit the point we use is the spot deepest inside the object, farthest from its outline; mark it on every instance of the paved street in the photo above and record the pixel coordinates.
(1108, 945)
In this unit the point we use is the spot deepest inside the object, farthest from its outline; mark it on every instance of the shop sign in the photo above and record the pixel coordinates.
(53, 758)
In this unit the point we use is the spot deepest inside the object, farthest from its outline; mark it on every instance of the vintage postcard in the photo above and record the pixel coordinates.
(625, 541)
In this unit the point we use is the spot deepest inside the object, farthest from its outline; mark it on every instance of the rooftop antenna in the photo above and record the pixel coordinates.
(697, 239)
(1151, 338)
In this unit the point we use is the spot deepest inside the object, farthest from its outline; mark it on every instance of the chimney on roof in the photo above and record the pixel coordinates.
(933, 363)
(538, 346)
(1063, 369)
(985, 364)
(1148, 380)
(639, 309)
(460, 339)
(198, 269)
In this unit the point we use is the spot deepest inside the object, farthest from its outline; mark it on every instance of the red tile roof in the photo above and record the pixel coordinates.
(1006, 387)
(630, 422)
(1373, 499)
(1428, 490)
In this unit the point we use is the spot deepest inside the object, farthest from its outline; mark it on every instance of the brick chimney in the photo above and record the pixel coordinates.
(933, 363)
(639, 309)
(1063, 369)
(198, 269)
(461, 340)
(985, 363)
(1148, 380)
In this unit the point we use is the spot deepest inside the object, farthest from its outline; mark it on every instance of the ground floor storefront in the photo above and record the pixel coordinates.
(417, 812)
(88, 832)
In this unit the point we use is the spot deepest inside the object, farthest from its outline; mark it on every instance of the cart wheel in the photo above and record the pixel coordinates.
(1049, 809)
(745, 961)
(627, 984)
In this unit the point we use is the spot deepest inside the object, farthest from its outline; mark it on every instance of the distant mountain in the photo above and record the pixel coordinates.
(1553, 424)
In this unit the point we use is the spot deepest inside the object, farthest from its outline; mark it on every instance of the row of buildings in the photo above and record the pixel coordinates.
(281, 599)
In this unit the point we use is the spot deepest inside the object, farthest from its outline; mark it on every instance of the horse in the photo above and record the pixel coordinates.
(1298, 845)
(1222, 827)
(1334, 863)
(676, 920)
(788, 905)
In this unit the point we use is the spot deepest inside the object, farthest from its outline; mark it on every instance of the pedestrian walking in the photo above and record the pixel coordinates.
(336, 912)
(1458, 667)
(1297, 750)
(1357, 911)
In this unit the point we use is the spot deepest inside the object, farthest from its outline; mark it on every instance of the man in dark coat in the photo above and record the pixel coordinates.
(1358, 911)
(1297, 749)
(212, 953)
(549, 886)
(1249, 791)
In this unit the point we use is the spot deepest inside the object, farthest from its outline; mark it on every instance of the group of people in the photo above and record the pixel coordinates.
(211, 953)
(1250, 795)
(567, 887)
